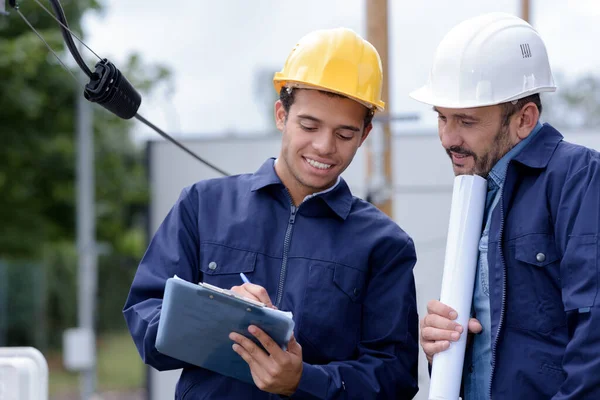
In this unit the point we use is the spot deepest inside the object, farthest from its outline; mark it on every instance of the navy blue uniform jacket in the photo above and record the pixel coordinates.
(342, 267)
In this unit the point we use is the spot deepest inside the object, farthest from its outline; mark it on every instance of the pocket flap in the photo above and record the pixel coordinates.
(216, 259)
(536, 249)
(351, 281)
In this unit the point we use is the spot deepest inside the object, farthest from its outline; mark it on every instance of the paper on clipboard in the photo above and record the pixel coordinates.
(233, 294)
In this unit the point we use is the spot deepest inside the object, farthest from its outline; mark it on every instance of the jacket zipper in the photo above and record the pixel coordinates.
(286, 248)
(503, 295)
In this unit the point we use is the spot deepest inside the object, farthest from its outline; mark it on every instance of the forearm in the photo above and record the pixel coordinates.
(142, 321)
(367, 378)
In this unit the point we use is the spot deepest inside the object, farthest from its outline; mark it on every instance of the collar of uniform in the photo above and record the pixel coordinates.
(338, 198)
(498, 172)
(265, 176)
(538, 152)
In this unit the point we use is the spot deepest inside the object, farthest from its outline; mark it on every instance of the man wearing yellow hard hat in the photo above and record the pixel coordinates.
(306, 244)
(536, 302)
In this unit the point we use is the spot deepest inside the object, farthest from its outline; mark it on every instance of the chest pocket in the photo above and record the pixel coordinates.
(533, 282)
(331, 312)
(221, 265)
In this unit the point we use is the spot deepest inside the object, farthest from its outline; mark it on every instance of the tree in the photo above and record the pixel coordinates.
(576, 103)
(37, 160)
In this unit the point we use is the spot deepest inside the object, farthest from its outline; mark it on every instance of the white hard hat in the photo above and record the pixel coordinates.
(486, 60)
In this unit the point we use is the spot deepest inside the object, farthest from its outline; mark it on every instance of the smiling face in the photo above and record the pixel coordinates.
(321, 134)
(475, 138)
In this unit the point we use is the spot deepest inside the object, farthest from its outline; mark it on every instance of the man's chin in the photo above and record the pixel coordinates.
(461, 170)
(318, 185)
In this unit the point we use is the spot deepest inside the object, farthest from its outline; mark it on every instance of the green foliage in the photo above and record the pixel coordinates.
(22, 303)
(38, 179)
(575, 104)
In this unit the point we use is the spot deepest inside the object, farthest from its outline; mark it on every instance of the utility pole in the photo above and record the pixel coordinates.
(379, 153)
(86, 244)
(525, 10)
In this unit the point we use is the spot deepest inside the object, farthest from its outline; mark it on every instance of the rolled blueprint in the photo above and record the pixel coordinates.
(458, 279)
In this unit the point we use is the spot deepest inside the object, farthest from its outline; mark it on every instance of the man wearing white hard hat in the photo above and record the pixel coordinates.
(536, 306)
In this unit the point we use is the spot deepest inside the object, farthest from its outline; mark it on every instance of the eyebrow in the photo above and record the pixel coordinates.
(347, 127)
(458, 115)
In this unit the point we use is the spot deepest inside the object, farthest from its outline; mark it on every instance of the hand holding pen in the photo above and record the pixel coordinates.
(252, 291)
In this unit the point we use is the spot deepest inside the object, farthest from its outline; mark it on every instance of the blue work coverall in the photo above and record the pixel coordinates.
(340, 265)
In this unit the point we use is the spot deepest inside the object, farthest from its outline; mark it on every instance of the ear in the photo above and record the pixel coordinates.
(366, 132)
(280, 115)
(526, 119)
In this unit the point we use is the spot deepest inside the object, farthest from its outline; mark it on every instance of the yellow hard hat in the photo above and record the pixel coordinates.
(335, 60)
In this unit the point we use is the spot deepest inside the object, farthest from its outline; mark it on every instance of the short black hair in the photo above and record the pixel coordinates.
(286, 96)
(509, 109)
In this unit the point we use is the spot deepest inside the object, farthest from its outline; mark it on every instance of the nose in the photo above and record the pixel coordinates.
(449, 135)
(324, 142)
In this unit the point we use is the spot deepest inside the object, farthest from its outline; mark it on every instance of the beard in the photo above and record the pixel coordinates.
(483, 163)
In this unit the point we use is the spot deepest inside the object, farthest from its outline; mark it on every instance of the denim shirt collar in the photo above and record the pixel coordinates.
(498, 173)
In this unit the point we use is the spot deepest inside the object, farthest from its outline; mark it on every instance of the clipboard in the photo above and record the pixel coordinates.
(196, 320)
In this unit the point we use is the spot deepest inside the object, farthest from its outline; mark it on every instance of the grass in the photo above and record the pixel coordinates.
(119, 367)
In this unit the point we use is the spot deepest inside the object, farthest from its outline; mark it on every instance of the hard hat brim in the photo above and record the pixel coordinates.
(425, 95)
(379, 106)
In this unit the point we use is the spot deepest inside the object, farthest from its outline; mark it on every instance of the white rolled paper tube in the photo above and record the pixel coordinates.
(458, 279)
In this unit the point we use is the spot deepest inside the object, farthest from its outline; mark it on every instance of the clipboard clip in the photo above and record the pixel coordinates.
(232, 294)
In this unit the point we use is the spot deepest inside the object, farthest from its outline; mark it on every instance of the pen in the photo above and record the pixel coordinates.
(244, 278)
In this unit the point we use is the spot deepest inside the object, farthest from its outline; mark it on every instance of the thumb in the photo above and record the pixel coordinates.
(294, 347)
(475, 326)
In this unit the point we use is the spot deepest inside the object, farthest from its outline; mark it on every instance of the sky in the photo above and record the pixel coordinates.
(223, 54)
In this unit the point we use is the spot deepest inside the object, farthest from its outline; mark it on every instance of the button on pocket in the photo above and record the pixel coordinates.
(536, 249)
(221, 265)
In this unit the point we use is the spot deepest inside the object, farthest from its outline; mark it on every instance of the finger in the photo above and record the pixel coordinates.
(436, 307)
(294, 347)
(249, 346)
(433, 348)
(269, 344)
(475, 326)
(241, 291)
(439, 322)
(256, 369)
(258, 292)
(429, 334)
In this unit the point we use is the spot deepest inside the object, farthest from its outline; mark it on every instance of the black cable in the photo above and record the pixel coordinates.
(108, 86)
(175, 142)
(68, 38)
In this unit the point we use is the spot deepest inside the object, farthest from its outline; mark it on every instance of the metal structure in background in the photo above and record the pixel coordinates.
(525, 10)
(380, 155)
(380, 188)
(86, 244)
